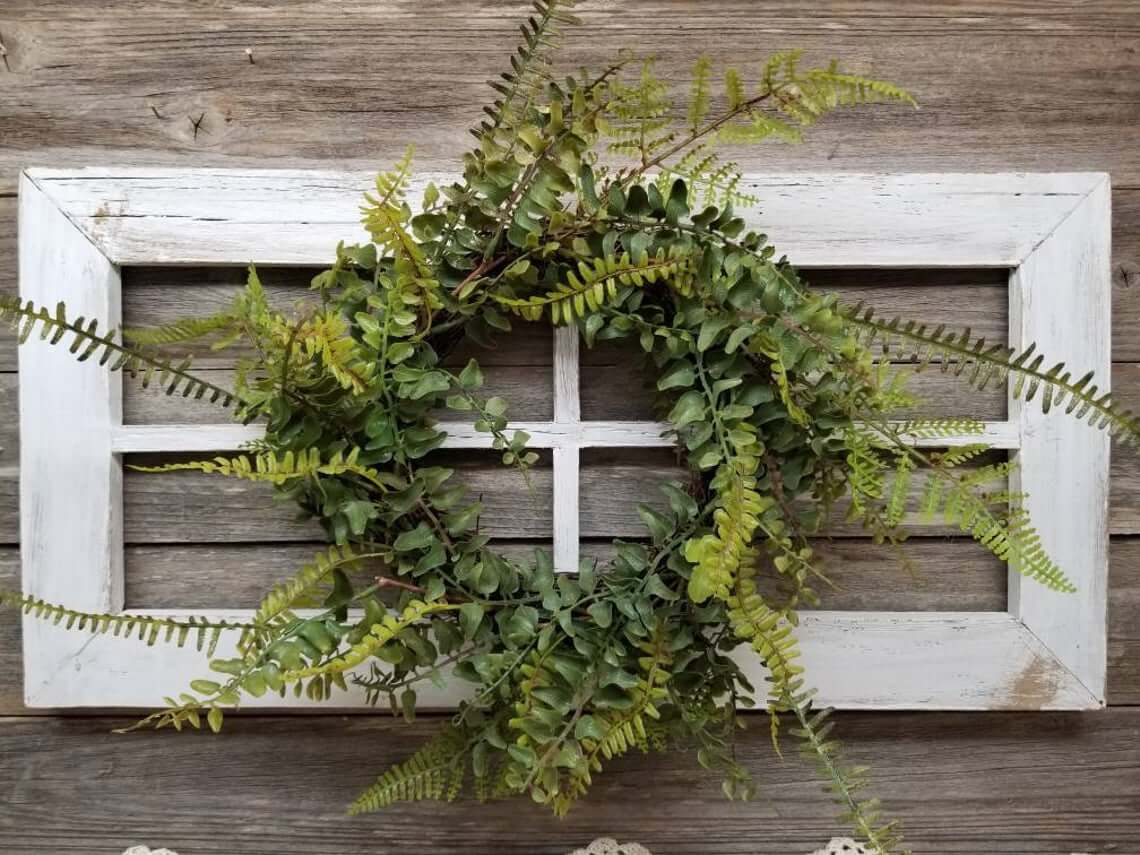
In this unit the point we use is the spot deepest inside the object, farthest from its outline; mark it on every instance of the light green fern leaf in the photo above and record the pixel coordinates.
(205, 632)
(87, 342)
(279, 469)
(435, 772)
(978, 363)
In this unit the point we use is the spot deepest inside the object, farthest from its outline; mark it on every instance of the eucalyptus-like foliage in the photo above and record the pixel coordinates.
(594, 200)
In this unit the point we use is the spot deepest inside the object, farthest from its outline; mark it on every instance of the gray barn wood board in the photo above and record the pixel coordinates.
(1013, 783)
(349, 86)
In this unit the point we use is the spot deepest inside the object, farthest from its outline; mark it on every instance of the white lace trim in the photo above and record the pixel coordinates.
(609, 846)
(842, 846)
(605, 846)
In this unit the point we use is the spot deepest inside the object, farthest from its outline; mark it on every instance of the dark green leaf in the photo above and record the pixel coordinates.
(680, 375)
(470, 616)
(471, 377)
(418, 538)
(602, 613)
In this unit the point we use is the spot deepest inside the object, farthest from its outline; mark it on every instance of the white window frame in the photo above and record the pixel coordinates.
(1047, 651)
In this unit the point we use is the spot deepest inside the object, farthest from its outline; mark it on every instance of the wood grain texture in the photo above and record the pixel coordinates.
(1051, 16)
(1031, 784)
(1124, 479)
(83, 79)
(1063, 468)
(205, 575)
(1044, 192)
(945, 575)
(284, 284)
(872, 219)
(1124, 621)
(621, 391)
(11, 639)
(191, 507)
(1005, 91)
(566, 454)
(1124, 501)
(85, 568)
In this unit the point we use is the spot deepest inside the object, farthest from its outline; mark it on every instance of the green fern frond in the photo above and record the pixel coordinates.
(899, 495)
(957, 456)
(187, 329)
(853, 89)
(273, 468)
(251, 303)
(380, 634)
(627, 729)
(275, 609)
(185, 711)
(771, 636)
(87, 341)
(327, 336)
(147, 628)
(940, 428)
(978, 363)
(878, 505)
(787, 100)
(866, 468)
(702, 168)
(282, 597)
(758, 128)
(718, 556)
(1013, 538)
(434, 772)
(518, 88)
(595, 285)
(765, 629)
(805, 96)
(888, 391)
(845, 782)
(387, 218)
(734, 89)
(637, 116)
(699, 94)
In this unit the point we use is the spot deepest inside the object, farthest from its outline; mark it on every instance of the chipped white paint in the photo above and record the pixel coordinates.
(567, 449)
(859, 660)
(78, 226)
(71, 526)
(221, 216)
(132, 439)
(1060, 297)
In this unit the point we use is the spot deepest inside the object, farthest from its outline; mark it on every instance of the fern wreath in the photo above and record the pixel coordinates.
(772, 392)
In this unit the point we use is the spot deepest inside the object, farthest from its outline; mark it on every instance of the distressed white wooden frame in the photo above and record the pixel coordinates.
(1047, 651)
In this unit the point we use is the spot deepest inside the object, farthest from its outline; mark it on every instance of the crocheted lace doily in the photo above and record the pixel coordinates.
(842, 846)
(609, 846)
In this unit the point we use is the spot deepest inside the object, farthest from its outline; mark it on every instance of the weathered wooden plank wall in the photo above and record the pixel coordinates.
(1004, 85)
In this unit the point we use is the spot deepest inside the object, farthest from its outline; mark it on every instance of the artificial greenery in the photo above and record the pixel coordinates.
(594, 200)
